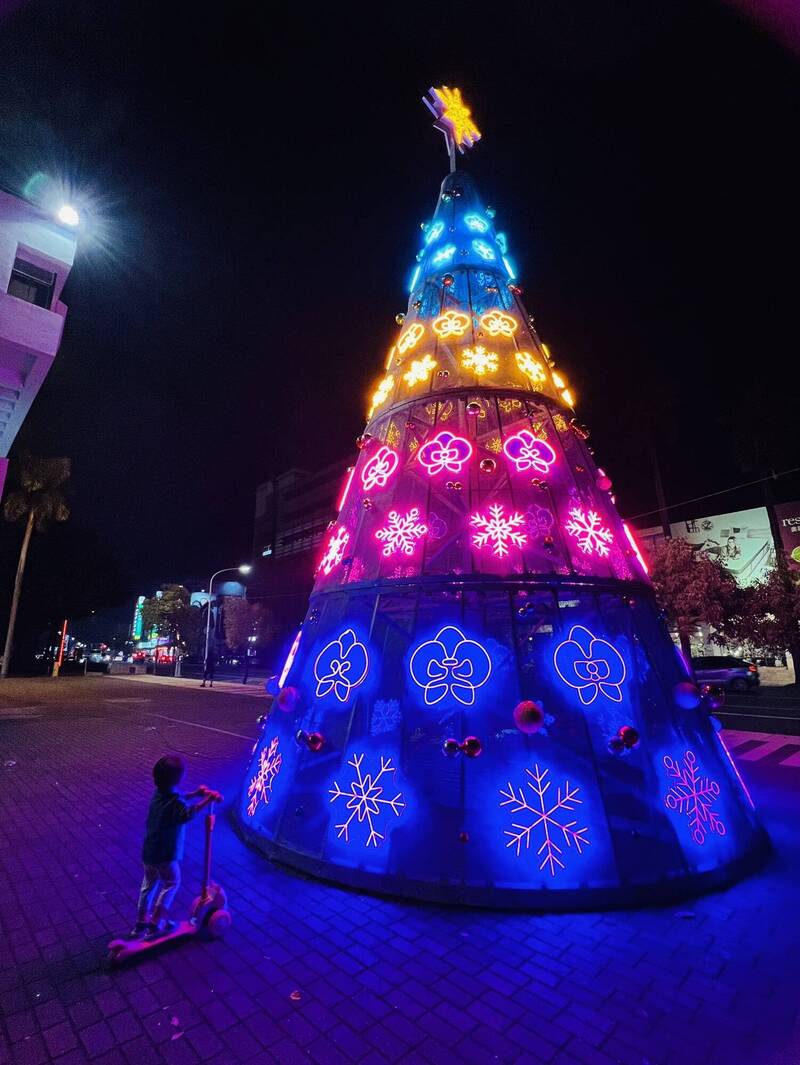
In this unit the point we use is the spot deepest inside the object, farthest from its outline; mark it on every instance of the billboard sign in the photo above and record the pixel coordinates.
(788, 519)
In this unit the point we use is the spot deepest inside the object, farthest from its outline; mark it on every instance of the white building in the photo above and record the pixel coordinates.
(36, 254)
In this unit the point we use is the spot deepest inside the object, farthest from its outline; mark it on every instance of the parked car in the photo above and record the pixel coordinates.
(735, 674)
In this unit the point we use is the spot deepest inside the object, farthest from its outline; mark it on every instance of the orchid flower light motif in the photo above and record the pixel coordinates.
(591, 665)
(379, 468)
(451, 324)
(450, 664)
(498, 324)
(334, 549)
(409, 340)
(445, 452)
(528, 452)
(340, 666)
(420, 370)
(531, 368)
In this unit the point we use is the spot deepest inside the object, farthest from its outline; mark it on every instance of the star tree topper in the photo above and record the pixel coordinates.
(453, 118)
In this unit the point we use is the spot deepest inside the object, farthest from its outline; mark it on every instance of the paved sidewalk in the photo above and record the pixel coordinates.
(313, 974)
(254, 687)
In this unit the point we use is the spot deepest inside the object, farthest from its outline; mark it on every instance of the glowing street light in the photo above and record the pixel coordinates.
(68, 215)
(244, 570)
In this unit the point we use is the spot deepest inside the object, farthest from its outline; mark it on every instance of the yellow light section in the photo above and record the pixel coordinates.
(456, 116)
(479, 360)
(530, 367)
(558, 380)
(451, 324)
(566, 395)
(498, 324)
(389, 358)
(547, 354)
(381, 394)
(420, 370)
(412, 336)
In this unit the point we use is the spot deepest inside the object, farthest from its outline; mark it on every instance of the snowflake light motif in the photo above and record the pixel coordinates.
(451, 324)
(385, 716)
(692, 795)
(420, 370)
(546, 818)
(334, 549)
(479, 360)
(593, 537)
(444, 255)
(531, 368)
(259, 789)
(497, 530)
(498, 324)
(480, 247)
(381, 393)
(402, 532)
(366, 801)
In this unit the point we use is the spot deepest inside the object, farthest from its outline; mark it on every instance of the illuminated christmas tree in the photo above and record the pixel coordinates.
(483, 703)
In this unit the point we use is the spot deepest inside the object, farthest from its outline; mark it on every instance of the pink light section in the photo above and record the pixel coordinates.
(635, 547)
(345, 490)
(287, 665)
(736, 770)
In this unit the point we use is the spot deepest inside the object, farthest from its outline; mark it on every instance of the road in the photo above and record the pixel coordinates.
(764, 709)
(313, 974)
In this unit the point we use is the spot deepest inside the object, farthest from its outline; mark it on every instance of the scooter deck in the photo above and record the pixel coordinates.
(120, 949)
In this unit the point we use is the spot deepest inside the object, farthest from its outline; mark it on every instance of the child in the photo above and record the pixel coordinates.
(163, 843)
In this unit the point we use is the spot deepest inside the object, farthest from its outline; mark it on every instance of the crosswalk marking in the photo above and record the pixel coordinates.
(761, 746)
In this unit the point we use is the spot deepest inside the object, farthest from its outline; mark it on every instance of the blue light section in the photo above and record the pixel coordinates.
(480, 247)
(476, 223)
(414, 279)
(444, 255)
(508, 267)
(434, 232)
(502, 242)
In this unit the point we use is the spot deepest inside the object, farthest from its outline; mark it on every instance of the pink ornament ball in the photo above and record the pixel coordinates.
(472, 747)
(686, 695)
(604, 482)
(528, 716)
(629, 736)
(288, 699)
(315, 741)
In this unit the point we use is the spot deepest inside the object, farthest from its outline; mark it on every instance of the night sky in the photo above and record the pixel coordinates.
(258, 177)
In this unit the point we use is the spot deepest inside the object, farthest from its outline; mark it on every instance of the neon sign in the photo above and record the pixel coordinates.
(334, 549)
(402, 532)
(287, 665)
(480, 247)
(445, 452)
(450, 664)
(453, 117)
(498, 324)
(443, 255)
(590, 665)
(530, 367)
(497, 530)
(420, 370)
(528, 452)
(366, 801)
(479, 360)
(635, 547)
(409, 340)
(691, 794)
(476, 223)
(259, 790)
(378, 470)
(451, 324)
(593, 537)
(545, 817)
(381, 393)
(340, 666)
(434, 231)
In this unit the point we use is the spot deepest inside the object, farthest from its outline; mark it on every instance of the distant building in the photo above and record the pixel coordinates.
(293, 511)
(36, 254)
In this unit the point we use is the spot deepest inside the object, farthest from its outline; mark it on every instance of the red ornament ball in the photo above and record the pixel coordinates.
(528, 716)
(288, 699)
(472, 747)
(488, 466)
(604, 482)
(629, 737)
(686, 695)
(615, 745)
(315, 741)
(448, 280)
(450, 747)
(548, 542)
(463, 837)
(362, 441)
(474, 408)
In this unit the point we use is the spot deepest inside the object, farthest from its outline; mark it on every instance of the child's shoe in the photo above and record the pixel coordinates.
(163, 928)
(139, 929)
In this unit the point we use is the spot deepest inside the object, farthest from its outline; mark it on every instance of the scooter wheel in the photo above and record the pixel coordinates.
(219, 922)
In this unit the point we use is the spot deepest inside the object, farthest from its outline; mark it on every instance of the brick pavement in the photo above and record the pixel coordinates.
(311, 973)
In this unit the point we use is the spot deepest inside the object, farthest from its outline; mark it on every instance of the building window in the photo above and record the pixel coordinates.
(31, 283)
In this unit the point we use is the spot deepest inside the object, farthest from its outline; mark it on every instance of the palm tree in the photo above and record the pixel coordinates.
(38, 501)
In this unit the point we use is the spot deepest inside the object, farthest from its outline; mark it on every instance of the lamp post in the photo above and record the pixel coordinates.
(229, 569)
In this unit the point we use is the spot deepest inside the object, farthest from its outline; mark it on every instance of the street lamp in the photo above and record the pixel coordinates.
(245, 569)
(67, 215)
